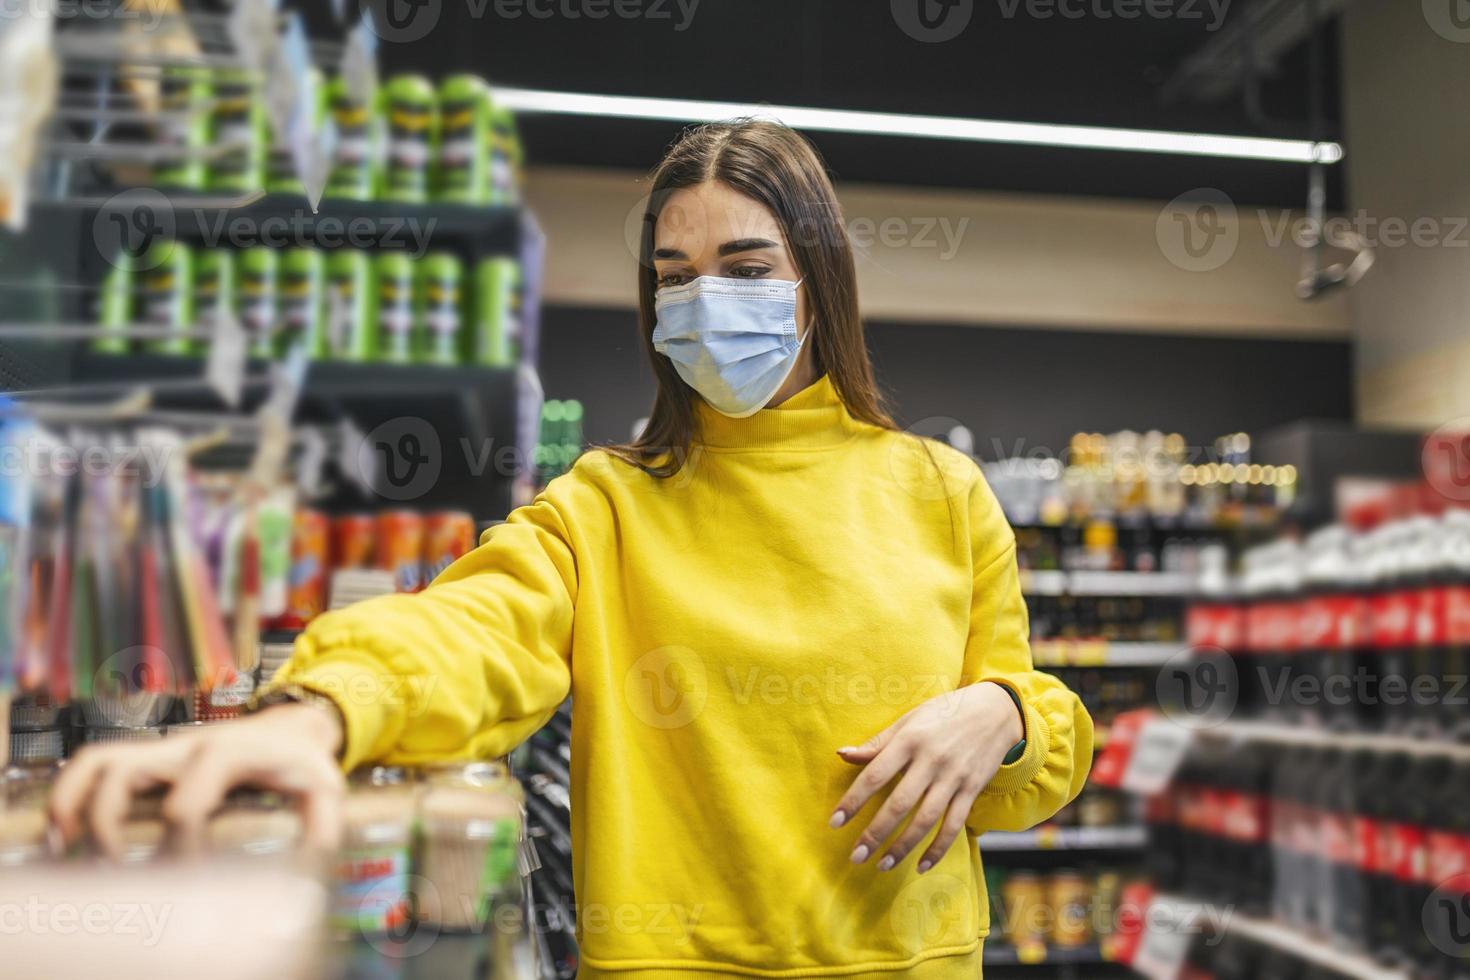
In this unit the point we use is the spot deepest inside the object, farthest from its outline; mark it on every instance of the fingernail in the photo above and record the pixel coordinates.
(925, 865)
(838, 819)
(846, 750)
(860, 854)
(886, 863)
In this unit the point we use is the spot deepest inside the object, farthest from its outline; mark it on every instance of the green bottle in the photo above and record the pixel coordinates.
(497, 312)
(441, 277)
(302, 311)
(506, 158)
(255, 297)
(115, 313)
(398, 308)
(465, 140)
(352, 306)
(408, 104)
(354, 173)
(166, 295)
(214, 286)
(184, 95)
(240, 116)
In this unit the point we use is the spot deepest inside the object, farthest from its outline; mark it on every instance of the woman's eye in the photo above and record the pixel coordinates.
(672, 279)
(749, 271)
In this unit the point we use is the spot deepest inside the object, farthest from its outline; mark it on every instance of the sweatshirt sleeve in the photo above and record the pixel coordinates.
(1058, 731)
(466, 669)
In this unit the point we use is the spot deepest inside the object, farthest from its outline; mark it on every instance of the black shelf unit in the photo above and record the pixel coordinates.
(472, 410)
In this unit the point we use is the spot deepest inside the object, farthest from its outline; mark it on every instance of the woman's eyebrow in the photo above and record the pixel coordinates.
(668, 253)
(747, 245)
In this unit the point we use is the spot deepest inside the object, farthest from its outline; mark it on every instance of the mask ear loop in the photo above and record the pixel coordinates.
(801, 333)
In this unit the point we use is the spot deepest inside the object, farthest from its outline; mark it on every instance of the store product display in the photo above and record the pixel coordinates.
(1357, 628)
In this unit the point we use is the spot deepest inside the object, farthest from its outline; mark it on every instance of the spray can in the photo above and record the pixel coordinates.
(255, 290)
(408, 103)
(166, 295)
(398, 318)
(302, 302)
(352, 306)
(240, 116)
(214, 286)
(183, 95)
(465, 140)
(354, 173)
(440, 277)
(498, 312)
(506, 159)
(115, 306)
(281, 176)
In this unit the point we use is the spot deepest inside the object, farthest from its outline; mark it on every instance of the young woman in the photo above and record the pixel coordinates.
(793, 635)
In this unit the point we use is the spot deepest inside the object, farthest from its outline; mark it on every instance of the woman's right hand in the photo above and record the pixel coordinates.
(289, 748)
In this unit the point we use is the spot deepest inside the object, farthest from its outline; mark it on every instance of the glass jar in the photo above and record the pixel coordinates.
(470, 827)
(371, 876)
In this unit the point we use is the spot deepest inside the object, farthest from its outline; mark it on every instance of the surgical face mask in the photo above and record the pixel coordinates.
(732, 340)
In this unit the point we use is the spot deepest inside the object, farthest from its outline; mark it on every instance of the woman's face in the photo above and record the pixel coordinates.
(711, 229)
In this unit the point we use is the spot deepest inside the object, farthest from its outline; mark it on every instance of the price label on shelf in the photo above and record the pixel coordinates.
(1158, 751)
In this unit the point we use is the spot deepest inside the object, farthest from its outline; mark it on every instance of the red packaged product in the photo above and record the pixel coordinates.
(400, 539)
(448, 536)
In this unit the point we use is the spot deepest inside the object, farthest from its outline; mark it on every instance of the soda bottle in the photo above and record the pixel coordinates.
(1416, 814)
(1454, 702)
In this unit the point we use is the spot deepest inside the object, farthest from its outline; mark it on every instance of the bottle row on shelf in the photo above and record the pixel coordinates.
(406, 140)
(1351, 629)
(1363, 844)
(1133, 478)
(345, 304)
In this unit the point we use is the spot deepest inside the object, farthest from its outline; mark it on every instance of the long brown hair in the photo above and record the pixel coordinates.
(776, 166)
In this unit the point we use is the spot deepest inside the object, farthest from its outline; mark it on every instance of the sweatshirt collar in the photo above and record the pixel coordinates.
(813, 418)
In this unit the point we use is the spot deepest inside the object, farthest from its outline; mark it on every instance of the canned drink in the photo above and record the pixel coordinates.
(400, 548)
(240, 117)
(1068, 895)
(465, 139)
(115, 306)
(352, 306)
(306, 583)
(398, 308)
(497, 312)
(1026, 924)
(302, 302)
(255, 297)
(214, 286)
(448, 536)
(184, 95)
(440, 277)
(410, 104)
(506, 157)
(166, 296)
(354, 173)
(353, 537)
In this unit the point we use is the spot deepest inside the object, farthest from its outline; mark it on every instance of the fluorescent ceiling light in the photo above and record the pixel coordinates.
(936, 127)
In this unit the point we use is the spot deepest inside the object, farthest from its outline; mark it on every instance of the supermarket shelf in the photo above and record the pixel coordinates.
(1278, 936)
(1066, 839)
(475, 230)
(464, 406)
(1007, 955)
(1048, 582)
(1100, 653)
(1279, 734)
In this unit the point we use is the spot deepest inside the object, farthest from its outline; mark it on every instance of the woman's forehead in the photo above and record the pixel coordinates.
(704, 217)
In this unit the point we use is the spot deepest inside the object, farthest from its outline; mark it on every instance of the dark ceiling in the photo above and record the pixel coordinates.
(1006, 64)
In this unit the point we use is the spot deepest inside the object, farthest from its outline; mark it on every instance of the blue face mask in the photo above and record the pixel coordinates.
(732, 340)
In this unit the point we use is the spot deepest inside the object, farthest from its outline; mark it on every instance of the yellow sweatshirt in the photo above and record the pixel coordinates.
(802, 582)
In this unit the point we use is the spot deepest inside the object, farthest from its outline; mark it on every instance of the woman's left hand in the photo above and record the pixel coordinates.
(947, 750)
